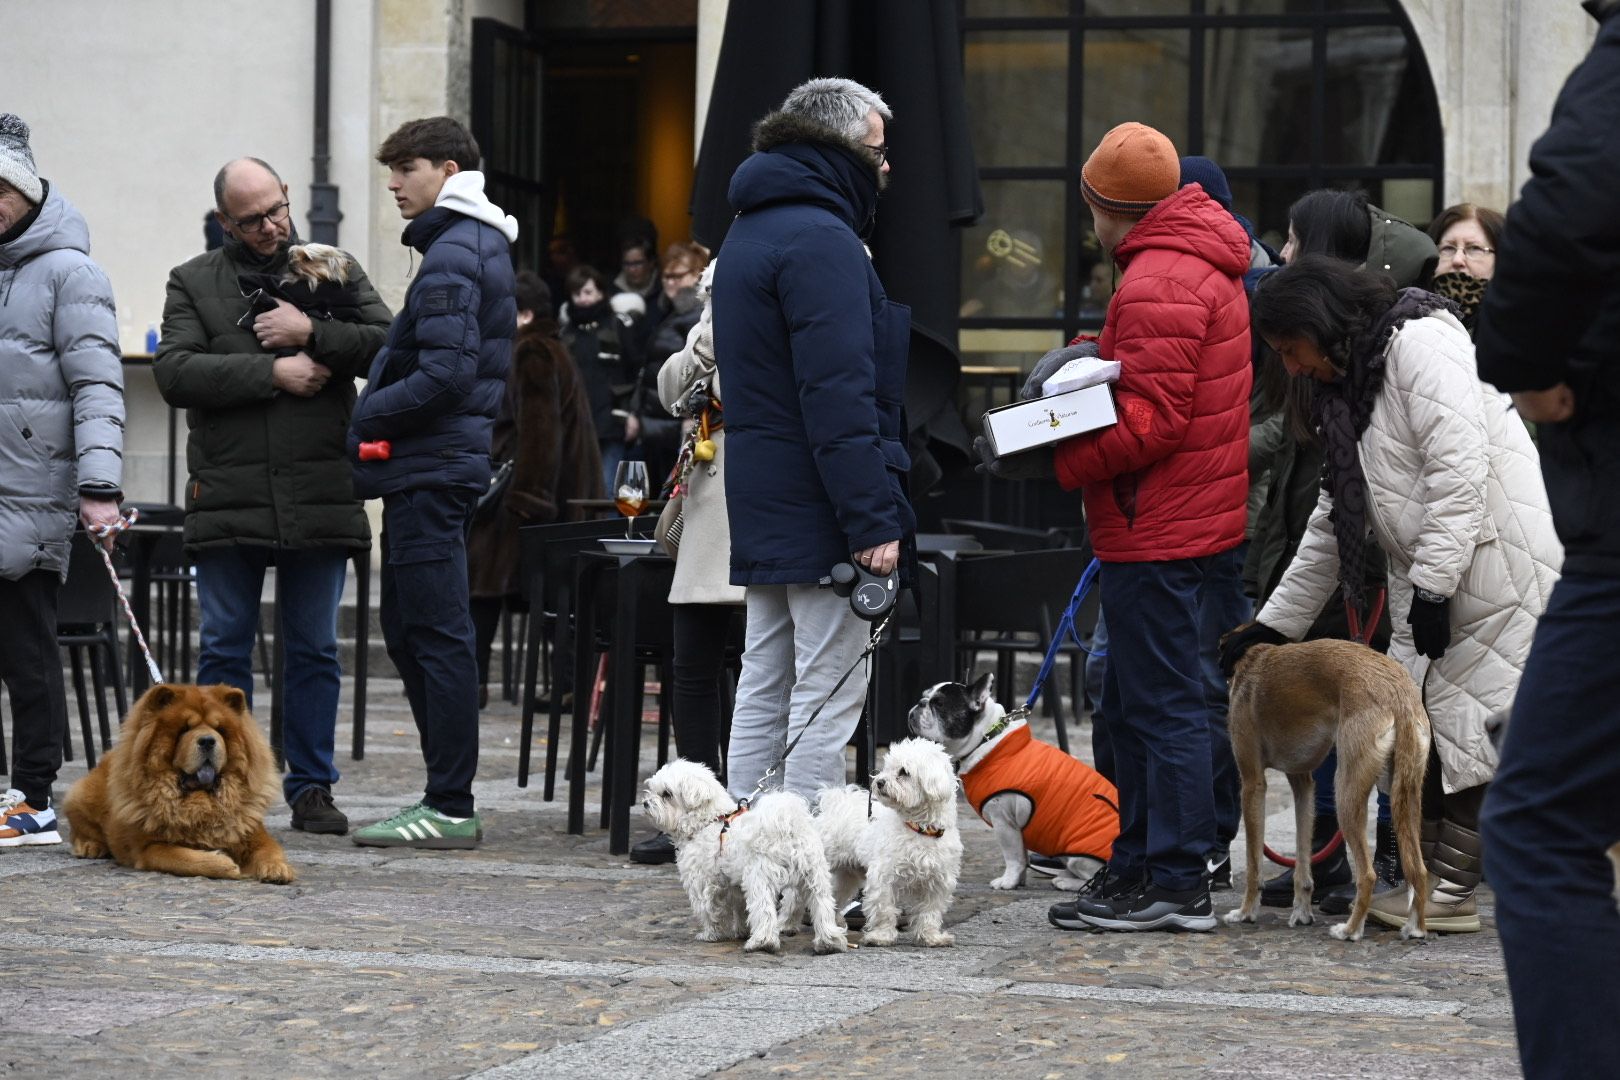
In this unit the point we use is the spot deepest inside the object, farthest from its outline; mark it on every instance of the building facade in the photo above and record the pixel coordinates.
(135, 106)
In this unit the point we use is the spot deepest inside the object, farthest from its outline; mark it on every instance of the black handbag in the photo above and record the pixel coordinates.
(489, 503)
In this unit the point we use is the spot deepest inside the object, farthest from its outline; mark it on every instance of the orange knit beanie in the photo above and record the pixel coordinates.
(1132, 168)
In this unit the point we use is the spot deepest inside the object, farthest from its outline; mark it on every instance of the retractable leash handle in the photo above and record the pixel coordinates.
(101, 532)
(1065, 626)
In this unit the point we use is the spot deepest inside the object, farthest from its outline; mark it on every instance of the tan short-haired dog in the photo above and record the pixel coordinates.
(1290, 705)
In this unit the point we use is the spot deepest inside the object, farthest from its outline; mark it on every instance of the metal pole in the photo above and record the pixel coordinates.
(324, 214)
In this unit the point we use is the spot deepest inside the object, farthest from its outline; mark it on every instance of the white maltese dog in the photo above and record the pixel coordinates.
(910, 849)
(734, 861)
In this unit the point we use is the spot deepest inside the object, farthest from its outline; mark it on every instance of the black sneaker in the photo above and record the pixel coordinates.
(1337, 900)
(1158, 908)
(1219, 865)
(314, 812)
(1099, 896)
(653, 851)
(1047, 865)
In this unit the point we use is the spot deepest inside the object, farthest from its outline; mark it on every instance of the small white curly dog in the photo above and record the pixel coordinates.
(909, 851)
(735, 861)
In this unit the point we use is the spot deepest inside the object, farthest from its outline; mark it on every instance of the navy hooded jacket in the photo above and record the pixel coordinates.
(813, 359)
(436, 385)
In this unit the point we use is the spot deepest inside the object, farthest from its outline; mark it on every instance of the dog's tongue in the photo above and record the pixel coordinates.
(206, 776)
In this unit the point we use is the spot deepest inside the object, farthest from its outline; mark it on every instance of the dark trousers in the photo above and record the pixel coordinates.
(700, 660)
(486, 618)
(1223, 606)
(1158, 718)
(31, 666)
(1550, 815)
(427, 626)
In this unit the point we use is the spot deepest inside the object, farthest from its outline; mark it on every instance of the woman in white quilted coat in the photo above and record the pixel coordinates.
(1423, 455)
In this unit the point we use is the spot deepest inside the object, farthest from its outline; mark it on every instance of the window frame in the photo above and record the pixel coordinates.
(1198, 22)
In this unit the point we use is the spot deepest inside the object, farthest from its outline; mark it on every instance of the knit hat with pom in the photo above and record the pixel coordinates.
(1132, 168)
(16, 160)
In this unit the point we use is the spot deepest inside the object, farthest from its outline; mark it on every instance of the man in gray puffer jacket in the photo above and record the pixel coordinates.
(61, 456)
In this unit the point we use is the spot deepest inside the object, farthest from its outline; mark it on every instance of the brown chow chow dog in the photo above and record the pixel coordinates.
(184, 791)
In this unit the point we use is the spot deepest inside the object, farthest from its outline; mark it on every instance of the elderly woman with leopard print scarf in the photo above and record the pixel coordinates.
(1466, 237)
(1449, 487)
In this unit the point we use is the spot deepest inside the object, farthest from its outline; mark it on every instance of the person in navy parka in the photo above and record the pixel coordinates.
(813, 358)
(432, 395)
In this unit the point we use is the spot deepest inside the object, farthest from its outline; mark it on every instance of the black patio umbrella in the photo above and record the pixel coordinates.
(910, 51)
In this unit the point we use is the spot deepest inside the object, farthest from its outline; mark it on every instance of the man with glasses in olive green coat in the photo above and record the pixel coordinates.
(270, 481)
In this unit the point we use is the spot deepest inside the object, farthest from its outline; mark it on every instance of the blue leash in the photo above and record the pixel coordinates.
(1065, 627)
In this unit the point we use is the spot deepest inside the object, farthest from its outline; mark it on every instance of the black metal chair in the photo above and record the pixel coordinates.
(1018, 599)
(547, 569)
(87, 614)
(996, 536)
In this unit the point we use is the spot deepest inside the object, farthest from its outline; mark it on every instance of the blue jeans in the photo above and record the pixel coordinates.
(613, 452)
(1222, 606)
(427, 625)
(1549, 816)
(1158, 720)
(230, 582)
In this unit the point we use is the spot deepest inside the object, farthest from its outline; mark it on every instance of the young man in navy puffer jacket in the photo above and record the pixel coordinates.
(431, 396)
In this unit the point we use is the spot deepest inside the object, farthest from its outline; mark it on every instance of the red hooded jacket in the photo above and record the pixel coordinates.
(1170, 480)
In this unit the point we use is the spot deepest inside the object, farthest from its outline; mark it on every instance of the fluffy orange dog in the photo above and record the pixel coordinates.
(184, 791)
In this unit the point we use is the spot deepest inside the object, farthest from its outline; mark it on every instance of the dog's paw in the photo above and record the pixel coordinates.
(85, 849)
(765, 945)
(1238, 915)
(1410, 932)
(879, 937)
(938, 939)
(1341, 932)
(713, 935)
(831, 944)
(273, 872)
(1068, 883)
(1301, 917)
(1007, 881)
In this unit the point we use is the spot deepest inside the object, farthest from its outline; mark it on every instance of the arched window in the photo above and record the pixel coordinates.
(1286, 95)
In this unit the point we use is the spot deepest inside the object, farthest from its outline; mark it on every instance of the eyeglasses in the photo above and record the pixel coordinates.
(1471, 251)
(880, 152)
(275, 215)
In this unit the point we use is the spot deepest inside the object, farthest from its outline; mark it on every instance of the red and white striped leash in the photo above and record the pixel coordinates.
(102, 532)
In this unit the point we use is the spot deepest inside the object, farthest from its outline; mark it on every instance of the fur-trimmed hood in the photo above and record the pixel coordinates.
(780, 128)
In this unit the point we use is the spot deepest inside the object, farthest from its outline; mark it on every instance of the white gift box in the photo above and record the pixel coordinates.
(1025, 425)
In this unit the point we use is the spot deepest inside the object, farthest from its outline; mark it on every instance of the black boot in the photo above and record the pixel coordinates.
(1387, 857)
(654, 850)
(1330, 872)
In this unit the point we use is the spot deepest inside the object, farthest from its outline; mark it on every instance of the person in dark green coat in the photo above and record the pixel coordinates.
(269, 478)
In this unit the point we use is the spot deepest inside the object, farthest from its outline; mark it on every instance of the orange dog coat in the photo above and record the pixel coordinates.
(1076, 810)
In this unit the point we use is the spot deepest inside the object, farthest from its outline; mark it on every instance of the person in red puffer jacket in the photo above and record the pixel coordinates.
(1165, 491)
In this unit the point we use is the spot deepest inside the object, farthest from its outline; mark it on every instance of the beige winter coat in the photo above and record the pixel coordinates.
(1457, 503)
(703, 565)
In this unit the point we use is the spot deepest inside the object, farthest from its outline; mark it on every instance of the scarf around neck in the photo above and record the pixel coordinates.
(1340, 412)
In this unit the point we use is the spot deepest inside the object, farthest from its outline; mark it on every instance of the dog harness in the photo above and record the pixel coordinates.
(1076, 810)
(725, 820)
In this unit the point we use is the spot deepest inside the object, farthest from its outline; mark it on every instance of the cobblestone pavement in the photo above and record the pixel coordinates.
(541, 955)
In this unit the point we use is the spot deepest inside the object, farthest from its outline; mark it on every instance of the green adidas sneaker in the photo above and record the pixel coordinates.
(421, 826)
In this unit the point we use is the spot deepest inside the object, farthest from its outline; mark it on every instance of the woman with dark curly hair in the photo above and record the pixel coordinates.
(1449, 486)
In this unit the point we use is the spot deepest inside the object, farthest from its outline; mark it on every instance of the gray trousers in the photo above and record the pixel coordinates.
(801, 638)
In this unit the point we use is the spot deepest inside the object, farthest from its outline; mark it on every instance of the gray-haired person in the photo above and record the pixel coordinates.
(813, 356)
(61, 456)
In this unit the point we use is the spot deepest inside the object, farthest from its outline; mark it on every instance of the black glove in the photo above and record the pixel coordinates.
(1430, 619)
(1048, 365)
(1234, 643)
(1036, 464)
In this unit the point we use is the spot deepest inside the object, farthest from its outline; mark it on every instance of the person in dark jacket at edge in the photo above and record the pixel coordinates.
(1547, 334)
(1166, 496)
(432, 397)
(813, 355)
(270, 484)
